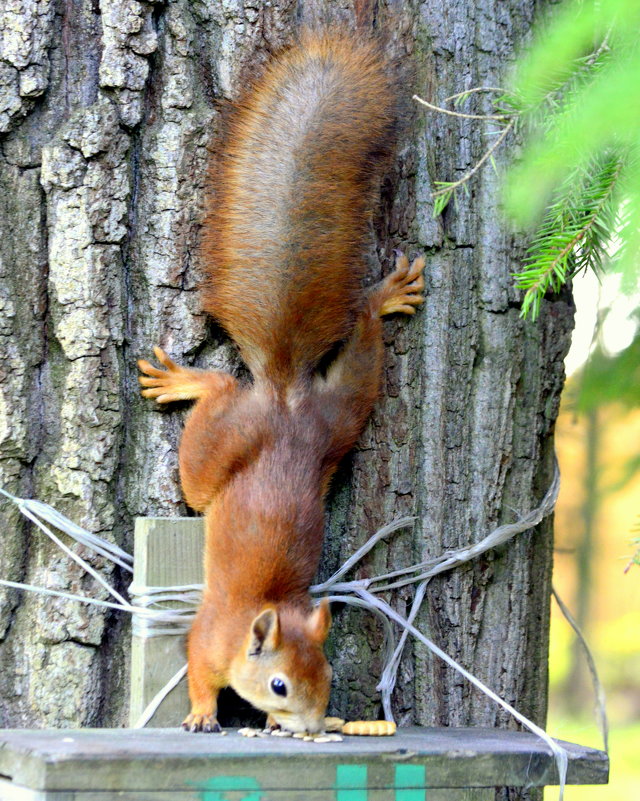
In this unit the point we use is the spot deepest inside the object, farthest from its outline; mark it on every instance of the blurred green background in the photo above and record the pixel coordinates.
(598, 509)
(573, 184)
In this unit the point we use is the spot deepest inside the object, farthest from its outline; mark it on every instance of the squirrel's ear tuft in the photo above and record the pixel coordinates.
(319, 622)
(265, 632)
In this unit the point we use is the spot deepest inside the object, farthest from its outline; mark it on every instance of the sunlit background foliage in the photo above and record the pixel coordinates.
(576, 96)
(576, 187)
(571, 119)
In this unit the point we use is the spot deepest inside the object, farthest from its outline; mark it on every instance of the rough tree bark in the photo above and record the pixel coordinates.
(107, 110)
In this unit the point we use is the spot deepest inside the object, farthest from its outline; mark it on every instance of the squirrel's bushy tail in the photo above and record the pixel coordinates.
(293, 190)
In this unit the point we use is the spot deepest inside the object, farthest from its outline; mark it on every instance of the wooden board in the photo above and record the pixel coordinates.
(167, 552)
(9, 792)
(171, 765)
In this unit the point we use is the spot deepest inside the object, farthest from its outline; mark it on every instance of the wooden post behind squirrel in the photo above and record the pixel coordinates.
(283, 251)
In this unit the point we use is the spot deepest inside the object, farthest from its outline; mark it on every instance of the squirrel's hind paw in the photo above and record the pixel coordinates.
(176, 383)
(400, 291)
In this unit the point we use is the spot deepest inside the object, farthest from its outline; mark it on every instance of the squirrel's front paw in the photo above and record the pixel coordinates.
(271, 723)
(205, 723)
(400, 291)
(174, 383)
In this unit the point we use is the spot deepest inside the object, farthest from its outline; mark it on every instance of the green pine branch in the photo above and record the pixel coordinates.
(581, 116)
(578, 110)
(574, 234)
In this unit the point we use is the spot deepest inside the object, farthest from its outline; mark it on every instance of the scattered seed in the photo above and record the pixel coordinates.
(299, 735)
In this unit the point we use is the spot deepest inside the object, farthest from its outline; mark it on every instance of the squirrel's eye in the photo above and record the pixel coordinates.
(278, 687)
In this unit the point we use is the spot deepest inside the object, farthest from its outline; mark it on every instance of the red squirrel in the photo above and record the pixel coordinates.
(282, 249)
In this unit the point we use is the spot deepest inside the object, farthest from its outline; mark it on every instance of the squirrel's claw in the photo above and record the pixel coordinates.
(402, 264)
(157, 372)
(146, 367)
(162, 357)
(203, 723)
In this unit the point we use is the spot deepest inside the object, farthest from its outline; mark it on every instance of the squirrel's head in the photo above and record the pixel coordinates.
(281, 668)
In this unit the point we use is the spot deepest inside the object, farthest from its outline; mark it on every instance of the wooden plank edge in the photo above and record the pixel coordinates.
(445, 770)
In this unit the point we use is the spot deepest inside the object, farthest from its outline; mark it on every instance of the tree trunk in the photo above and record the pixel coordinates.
(108, 110)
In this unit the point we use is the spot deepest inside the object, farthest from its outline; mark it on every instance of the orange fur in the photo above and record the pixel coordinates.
(282, 247)
(283, 241)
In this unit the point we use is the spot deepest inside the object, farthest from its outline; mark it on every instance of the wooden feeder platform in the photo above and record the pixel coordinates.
(160, 764)
(417, 764)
